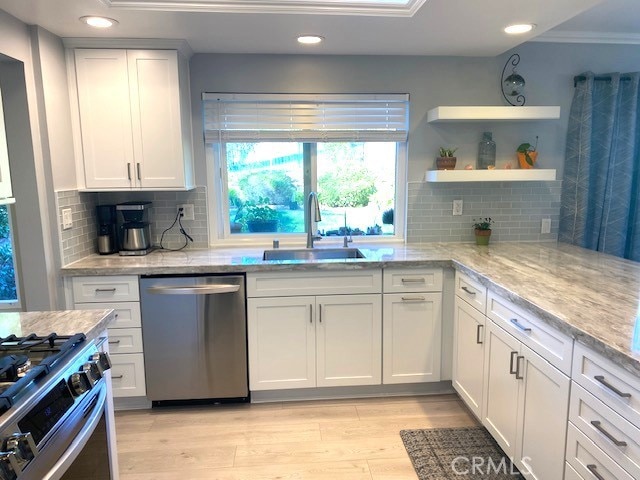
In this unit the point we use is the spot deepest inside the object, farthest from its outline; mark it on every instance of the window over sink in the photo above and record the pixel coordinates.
(269, 151)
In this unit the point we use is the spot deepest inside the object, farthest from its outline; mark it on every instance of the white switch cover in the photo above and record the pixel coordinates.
(67, 221)
(546, 225)
(457, 207)
(187, 211)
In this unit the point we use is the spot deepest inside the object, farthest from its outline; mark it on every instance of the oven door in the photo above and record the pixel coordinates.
(78, 449)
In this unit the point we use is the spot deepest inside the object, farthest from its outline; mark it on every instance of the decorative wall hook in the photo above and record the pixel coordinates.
(513, 85)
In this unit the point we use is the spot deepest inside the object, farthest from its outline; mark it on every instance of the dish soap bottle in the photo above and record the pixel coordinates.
(486, 152)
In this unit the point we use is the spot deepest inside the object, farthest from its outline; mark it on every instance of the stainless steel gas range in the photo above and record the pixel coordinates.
(53, 397)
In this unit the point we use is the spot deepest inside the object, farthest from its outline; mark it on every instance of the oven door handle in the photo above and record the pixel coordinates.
(194, 289)
(94, 412)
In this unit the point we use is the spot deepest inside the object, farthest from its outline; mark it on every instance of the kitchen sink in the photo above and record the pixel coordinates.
(312, 254)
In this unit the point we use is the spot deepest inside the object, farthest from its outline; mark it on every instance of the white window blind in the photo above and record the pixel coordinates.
(305, 118)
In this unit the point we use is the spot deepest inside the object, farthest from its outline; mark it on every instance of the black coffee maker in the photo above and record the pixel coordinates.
(107, 238)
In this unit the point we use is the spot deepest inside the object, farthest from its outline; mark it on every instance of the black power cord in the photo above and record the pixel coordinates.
(187, 237)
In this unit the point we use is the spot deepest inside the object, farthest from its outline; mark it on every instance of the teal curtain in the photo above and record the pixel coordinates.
(601, 184)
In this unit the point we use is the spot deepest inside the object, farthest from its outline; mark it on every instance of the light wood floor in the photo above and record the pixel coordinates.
(336, 440)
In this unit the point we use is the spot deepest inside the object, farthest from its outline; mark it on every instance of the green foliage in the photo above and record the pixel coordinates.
(259, 211)
(526, 148)
(7, 272)
(387, 217)
(275, 185)
(482, 223)
(346, 186)
(447, 152)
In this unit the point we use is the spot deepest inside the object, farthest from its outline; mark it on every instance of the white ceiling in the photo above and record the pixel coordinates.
(439, 27)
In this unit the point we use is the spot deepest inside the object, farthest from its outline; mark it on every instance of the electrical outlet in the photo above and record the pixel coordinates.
(546, 225)
(187, 211)
(457, 207)
(67, 220)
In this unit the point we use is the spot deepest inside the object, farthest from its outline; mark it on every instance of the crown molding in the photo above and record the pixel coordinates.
(587, 37)
(182, 46)
(390, 8)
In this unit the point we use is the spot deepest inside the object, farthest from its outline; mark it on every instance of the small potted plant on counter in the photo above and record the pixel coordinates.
(482, 230)
(527, 154)
(446, 160)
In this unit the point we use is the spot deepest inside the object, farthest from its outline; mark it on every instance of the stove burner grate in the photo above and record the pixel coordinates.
(12, 367)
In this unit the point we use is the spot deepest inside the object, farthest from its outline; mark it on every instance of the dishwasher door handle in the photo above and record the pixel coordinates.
(194, 289)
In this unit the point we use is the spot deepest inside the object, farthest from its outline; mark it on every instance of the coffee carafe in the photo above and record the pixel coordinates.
(107, 239)
(134, 231)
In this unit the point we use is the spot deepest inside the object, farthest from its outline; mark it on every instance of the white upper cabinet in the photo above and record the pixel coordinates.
(134, 119)
(5, 176)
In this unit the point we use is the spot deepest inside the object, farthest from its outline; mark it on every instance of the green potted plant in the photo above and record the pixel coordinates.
(527, 154)
(446, 160)
(482, 230)
(260, 217)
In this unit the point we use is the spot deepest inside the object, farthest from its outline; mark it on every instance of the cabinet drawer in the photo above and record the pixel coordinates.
(617, 388)
(412, 280)
(127, 313)
(554, 346)
(125, 340)
(474, 293)
(123, 288)
(618, 438)
(570, 473)
(127, 375)
(588, 460)
(274, 284)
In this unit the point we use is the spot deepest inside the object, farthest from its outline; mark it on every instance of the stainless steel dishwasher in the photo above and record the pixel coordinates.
(194, 331)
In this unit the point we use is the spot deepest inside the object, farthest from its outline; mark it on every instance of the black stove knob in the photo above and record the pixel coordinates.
(79, 383)
(93, 372)
(102, 360)
(23, 446)
(9, 467)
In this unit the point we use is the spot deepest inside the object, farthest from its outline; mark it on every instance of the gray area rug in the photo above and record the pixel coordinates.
(457, 453)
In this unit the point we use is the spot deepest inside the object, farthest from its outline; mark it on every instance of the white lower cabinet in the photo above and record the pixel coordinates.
(469, 329)
(127, 375)
(525, 405)
(412, 337)
(309, 341)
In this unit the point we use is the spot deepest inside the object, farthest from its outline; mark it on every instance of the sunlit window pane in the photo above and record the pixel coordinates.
(8, 291)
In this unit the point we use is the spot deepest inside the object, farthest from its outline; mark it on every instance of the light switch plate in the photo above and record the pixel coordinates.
(67, 220)
(187, 211)
(546, 225)
(457, 207)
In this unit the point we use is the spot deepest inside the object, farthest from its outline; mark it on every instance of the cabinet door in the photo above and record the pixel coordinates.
(5, 175)
(501, 387)
(411, 337)
(468, 354)
(349, 340)
(105, 117)
(156, 118)
(542, 417)
(281, 336)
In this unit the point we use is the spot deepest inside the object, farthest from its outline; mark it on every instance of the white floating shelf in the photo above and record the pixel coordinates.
(502, 175)
(479, 113)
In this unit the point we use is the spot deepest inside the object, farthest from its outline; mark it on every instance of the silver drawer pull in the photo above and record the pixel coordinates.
(601, 379)
(413, 299)
(519, 326)
(469, 291)
(310, 313)
(478, 334)
(518, 376)
(512, 369)
(104, 290)
(114, 342)
(116, 376)
(413, 280)
(598, 426)
(594, 471)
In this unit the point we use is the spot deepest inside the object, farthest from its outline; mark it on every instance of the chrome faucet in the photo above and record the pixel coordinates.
(314, 216)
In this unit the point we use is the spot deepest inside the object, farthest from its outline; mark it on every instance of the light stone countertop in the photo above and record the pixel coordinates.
(591, 296)
(65, 322)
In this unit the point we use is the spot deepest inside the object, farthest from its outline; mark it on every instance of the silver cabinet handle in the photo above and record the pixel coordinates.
(413, 280)
(413, 299)
(512, 369)
(194, 289)
(116, 376)
(598, 426)
(469, 291)
(478, 334)
(310, 313)
(320, 313)
(114, 342)
(518, 367)
(600, 378)
(129, 171)
(103, 290)
(138, 170)
(594, 471)
(519, 326)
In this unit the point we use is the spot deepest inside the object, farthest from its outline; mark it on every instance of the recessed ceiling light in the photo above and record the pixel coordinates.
(98, 22)
(310, 39)
(519, 28)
